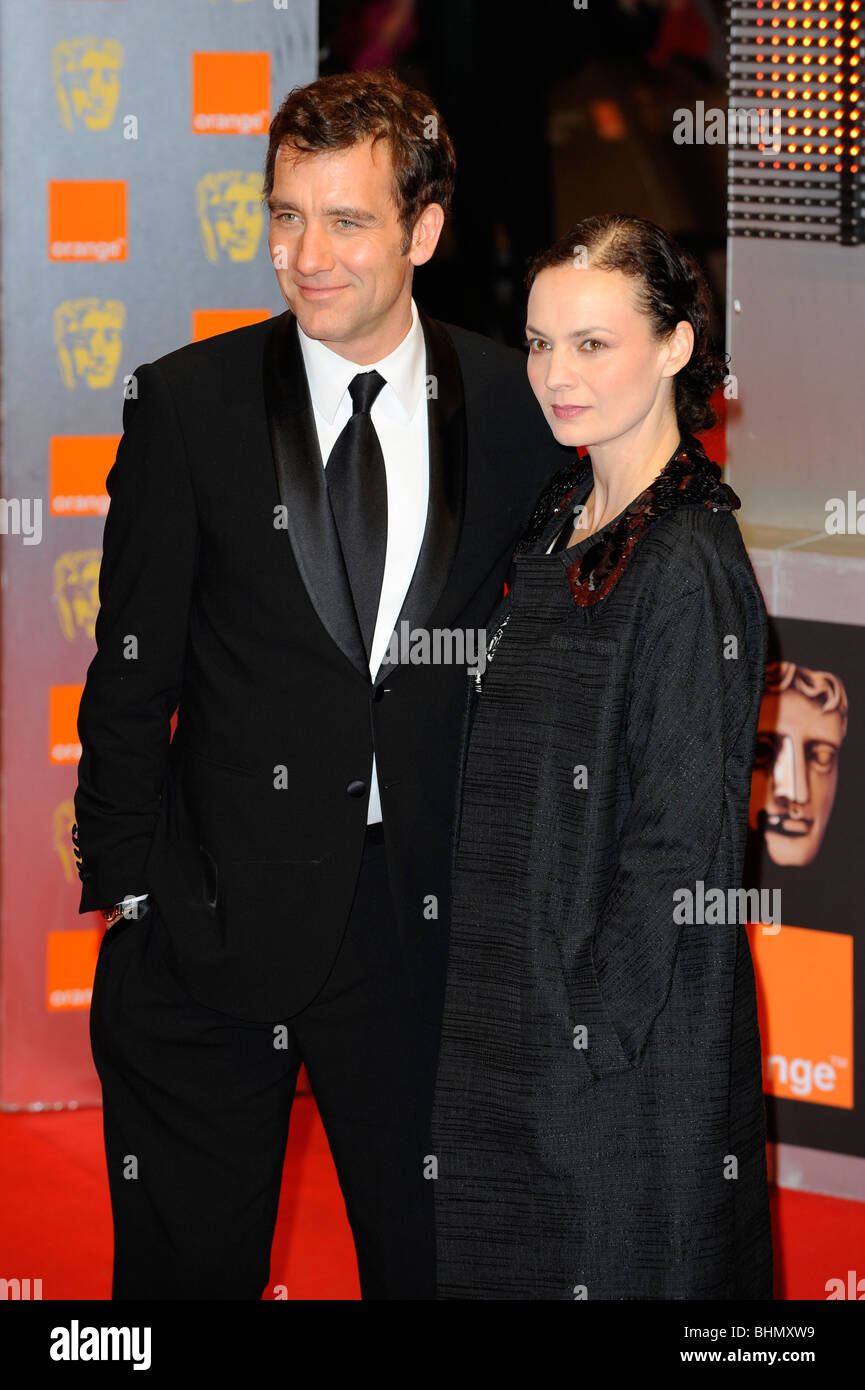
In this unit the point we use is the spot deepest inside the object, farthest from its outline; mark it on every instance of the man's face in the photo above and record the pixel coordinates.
(335, 240)
(795, 776)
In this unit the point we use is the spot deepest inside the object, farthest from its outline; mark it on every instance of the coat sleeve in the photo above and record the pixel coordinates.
(694, 696)
(133, 683)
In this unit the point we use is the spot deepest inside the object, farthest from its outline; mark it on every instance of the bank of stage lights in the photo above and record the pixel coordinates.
(794, 166)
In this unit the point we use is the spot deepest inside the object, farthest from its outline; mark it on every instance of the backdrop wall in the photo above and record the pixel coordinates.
(133, 139)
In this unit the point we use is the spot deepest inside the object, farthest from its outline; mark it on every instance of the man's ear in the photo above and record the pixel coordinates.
(425, 233)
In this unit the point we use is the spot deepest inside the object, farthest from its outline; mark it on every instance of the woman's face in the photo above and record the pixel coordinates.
(596, 369)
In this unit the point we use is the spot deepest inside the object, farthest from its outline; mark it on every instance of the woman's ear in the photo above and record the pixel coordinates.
(679, 347)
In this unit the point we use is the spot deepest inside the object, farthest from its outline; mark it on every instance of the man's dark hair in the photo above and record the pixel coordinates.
(345, 109)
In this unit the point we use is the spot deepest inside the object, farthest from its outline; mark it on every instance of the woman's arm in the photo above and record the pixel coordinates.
(694, 699)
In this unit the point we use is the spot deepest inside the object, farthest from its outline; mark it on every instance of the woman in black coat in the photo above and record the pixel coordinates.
(599, 1122)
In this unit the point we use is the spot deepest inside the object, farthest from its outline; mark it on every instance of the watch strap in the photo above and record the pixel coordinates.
(132, 906)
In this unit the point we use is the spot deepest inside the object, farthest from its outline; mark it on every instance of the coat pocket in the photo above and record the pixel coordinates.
(595, 1036)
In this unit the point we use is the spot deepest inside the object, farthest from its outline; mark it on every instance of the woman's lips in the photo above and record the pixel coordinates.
(569, 412)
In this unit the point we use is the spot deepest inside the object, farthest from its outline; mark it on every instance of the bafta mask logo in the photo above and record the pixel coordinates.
(803, 722)
(87, 334)
(76, 592)
(61, 833)
(230, 214)
(86, 76)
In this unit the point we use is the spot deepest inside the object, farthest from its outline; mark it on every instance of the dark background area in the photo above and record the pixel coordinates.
(555, 113)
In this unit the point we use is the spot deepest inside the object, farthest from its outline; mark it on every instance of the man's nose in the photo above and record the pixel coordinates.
(790, 773)
(313, 252)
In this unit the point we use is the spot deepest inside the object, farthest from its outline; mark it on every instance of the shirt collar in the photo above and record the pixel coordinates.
(403, 369)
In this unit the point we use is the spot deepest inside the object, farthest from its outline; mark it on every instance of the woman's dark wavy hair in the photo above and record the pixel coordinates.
(670, 287)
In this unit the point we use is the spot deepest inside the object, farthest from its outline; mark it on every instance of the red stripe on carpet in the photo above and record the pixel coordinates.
(56, 1216)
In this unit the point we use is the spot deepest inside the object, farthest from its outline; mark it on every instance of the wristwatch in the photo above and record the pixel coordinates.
(133, 905)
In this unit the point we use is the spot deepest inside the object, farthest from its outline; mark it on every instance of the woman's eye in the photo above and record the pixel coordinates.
(536, 344)
(596, 341)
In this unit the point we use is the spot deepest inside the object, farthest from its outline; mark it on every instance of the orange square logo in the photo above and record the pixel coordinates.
(230, 93)
(87, 220)
(206, 323)
(80, 463)
(71, 964)
(64, 744)
(805, 1003)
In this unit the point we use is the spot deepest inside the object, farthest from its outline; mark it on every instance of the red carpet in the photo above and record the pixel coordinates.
(56, 1216)
(56, 1212)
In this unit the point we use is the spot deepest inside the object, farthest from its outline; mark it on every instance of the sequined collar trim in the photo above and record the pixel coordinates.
(689, 479)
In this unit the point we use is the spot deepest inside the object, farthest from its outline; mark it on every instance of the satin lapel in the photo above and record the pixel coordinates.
(303, 490)
(447, 482)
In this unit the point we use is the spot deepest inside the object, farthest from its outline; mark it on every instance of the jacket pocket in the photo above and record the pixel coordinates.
(216, 762)
(183, 871)
(121, 927)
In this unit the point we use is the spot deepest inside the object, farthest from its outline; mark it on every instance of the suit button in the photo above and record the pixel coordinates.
(379, 692)
(356, 788)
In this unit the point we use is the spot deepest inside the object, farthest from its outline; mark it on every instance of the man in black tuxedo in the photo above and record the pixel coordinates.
(286, 497)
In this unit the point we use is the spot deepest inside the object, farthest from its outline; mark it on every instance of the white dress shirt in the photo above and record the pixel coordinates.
(399, 414)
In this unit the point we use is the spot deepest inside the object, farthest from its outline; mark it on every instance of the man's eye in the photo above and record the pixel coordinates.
(346, 222)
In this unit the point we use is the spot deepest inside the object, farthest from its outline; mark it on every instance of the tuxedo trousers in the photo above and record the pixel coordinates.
(196, 1109)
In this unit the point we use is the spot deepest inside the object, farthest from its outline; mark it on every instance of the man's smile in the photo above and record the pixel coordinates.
(321, 291)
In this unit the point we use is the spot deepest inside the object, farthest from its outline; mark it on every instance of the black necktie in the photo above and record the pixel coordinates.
(357, 487)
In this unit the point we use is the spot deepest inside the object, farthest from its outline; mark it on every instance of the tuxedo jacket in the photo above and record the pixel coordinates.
(223, 597)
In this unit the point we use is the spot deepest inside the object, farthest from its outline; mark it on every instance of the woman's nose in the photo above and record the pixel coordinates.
(561, 373)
